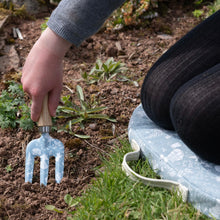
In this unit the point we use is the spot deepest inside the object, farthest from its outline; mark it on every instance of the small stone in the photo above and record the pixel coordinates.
(93, 126)
(164, 36)
(43, 199)
(3, 152)
(65, 180)
(97, 46)
(114, 91)
(9, 202)
(89, 46)
(35, 186)
(80, 152)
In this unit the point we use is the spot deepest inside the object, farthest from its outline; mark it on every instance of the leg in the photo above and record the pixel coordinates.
(196, 52)
(195, 114)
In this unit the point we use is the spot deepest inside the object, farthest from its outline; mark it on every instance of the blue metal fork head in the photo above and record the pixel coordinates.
(44, 147)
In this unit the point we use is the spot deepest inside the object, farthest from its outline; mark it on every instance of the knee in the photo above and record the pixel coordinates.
(196, 120)
(155, 98)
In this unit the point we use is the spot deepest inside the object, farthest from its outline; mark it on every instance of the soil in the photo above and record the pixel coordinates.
(138, 48)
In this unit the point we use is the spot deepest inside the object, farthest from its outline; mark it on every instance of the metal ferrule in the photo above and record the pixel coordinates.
(44, 129)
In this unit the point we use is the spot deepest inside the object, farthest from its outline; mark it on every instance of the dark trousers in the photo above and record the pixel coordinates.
(181, 91)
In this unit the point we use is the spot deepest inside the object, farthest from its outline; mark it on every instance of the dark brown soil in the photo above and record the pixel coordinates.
(140, 48)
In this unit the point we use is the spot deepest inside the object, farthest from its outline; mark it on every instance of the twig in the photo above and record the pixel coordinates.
(119, 137)
(7, 211)
(118, 45)
(69, 89)
(96, 147)
(19, 34)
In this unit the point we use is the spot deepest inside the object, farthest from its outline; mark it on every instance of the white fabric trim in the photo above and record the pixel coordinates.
(167, 184)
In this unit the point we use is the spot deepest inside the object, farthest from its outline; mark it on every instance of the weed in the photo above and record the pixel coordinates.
(212, 8)
(79, 113)
(198, 13)
(44, 24)
(16, 11)
(104, 71)
(53, 208)
(137, 12)
(8, 168)
(22, 13)
(198, 2)
(13, 109)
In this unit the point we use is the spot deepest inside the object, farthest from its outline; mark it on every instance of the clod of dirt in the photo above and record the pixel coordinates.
(73, 143)
(112, 52)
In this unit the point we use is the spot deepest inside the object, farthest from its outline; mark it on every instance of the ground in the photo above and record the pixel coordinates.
(140, 48)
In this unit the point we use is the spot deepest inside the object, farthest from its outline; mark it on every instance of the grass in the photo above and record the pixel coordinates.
(112, 195)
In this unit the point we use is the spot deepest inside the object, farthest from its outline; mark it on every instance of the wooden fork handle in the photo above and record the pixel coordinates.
(45, 118)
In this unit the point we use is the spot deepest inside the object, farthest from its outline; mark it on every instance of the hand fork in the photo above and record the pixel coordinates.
(44, 147)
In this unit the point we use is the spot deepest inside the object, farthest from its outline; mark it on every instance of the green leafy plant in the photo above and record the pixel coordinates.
(198, 13)
(136, 12)
(211, 8)
(214, 7)
(44, 24)
(53, 208)
(132, 10)
(198, 2)
(70, 201)
(104, 71)
(14, 10)
(79, 113)
(8, 168)
(13, 108)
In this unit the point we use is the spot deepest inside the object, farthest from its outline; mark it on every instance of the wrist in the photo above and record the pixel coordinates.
(52, 42)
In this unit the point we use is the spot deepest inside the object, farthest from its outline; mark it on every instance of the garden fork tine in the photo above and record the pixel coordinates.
(44, 147)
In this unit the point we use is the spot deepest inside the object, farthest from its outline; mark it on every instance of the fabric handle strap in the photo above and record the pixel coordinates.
(162, 183)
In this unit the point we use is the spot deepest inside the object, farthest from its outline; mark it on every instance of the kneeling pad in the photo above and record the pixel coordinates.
(197, 180)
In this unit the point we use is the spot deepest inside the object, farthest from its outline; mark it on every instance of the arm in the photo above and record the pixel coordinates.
(42, 72)
(76, 20)
(70, 23)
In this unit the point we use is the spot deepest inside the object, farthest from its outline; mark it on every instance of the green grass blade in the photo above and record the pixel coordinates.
(80, 92)
(77, 120)
(98, 109)
(82, 136)
(101, 116)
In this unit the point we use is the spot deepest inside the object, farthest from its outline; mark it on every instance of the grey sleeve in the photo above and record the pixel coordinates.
(76, 20)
